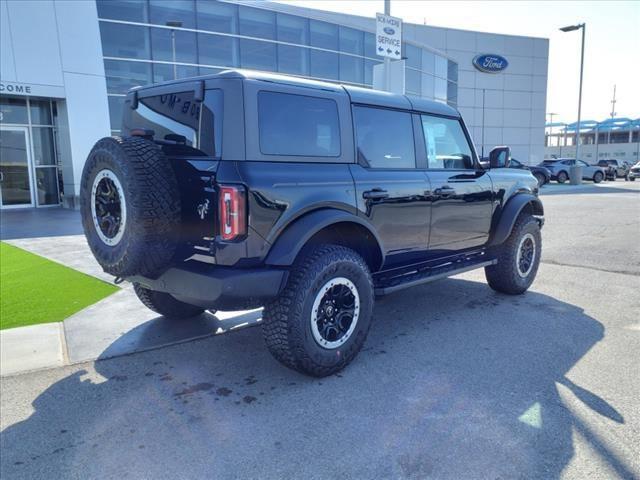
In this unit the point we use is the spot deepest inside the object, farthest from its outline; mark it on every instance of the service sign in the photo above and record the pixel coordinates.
(388, 36)
(490, 63)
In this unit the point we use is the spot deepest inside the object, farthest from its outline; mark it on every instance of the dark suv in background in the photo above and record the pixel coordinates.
(615, 169)
(244, 189)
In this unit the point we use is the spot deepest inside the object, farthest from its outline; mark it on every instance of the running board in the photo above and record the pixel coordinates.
(430, 275)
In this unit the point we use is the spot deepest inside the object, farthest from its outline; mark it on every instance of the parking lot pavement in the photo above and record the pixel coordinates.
(455, 381)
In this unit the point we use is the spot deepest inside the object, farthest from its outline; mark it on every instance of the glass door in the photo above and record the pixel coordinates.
(15, 168)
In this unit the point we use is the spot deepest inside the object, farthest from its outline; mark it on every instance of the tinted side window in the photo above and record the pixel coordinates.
(384, 138)
(447, 145)
(298, 125)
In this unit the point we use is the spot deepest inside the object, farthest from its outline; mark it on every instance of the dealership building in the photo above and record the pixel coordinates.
(66, 66)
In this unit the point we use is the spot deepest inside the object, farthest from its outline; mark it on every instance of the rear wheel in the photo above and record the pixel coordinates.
(320, 321)
(597, 177)
(165, 304)
(518, 258)
(562, 177)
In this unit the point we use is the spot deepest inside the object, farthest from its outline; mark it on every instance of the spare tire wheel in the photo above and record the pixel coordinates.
(130, 206)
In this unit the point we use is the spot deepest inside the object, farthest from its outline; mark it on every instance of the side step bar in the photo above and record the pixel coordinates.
(430, 275)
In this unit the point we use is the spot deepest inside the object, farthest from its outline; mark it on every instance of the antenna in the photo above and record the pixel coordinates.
(613, 103)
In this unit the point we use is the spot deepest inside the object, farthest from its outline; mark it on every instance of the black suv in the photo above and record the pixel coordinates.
(244, 189)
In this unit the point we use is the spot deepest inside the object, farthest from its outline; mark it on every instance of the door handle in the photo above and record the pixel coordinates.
(375, 194)
(444, 191)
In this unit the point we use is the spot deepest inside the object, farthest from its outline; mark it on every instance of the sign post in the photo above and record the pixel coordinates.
(388, 40)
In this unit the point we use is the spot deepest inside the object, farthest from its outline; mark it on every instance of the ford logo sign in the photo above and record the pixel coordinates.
(389, 31)
(490, 63)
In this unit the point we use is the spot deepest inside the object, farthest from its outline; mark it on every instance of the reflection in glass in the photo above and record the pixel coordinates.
(324, 64)
(163, 72)
(428, 62)
(440, 90)
(258, 23)
(258, 55)
(414, 56)
(217, 16)
(47, 185)
(162, 45)
(441, 66)
(452, 93)
(412, 81)
(163, 11)
(351, 69)
(351, 41)
(370, 45)
(217, 50)
(126, 41)
(323, 35)
(128, 10)
(115, 112)
(452, 71)
(13, 110)
(14, 168)
(123, 75)
(293, 60)
(428, 86)
(293, 29)
(43, 147)
(40, 112)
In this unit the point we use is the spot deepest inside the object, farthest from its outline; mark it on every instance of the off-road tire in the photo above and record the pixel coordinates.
(165, 304)
(503, 276)
(286, 325)
(150, 233)
(562, 177)
(598, 177)
(540, 179)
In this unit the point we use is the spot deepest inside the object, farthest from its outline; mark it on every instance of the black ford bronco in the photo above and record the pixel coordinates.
(243, 189)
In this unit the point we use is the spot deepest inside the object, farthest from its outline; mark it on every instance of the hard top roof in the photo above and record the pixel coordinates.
(356, 94)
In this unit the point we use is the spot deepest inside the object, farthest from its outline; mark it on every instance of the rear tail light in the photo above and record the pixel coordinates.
(233, 212)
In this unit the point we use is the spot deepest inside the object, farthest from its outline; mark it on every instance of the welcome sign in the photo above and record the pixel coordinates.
(490, 63)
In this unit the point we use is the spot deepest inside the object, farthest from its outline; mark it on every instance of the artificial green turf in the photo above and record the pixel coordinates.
(36, 290)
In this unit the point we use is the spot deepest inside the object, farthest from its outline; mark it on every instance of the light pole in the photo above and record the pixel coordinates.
(173, 46)
(575, 172)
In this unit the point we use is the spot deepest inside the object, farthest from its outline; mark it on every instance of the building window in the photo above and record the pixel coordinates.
(255, 22)
(217, 16)
(258, 55)
(125, 41)
(351, 41)
(13, 110)
(351, 69)
(412, 81)
(414, 56)
(298, 125)
(127, 10)
(162, 46)
(293, 60)
(122, 75)
(162, 12)
(217, 50)
(324, 65)
(323, 35)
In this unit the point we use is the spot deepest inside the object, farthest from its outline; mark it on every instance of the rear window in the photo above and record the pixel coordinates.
(176, 117)
(298, 125)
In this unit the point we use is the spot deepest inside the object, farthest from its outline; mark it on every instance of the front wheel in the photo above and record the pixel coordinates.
(320, 321)
(165, 304)
(562, 177)
(518, 258)
(597, 177)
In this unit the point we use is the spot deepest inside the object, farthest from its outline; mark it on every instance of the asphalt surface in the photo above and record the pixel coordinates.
(456, 381)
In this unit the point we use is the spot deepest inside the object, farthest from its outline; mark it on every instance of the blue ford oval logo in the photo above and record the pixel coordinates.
(490, 63)
(389, 30)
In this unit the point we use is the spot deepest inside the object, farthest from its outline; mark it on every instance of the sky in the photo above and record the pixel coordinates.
(612, 44)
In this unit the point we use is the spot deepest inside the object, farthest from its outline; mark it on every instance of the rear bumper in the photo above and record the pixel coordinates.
(218, 287)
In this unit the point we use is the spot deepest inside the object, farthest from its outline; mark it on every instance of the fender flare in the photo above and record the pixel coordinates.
(509, 215)
(285, 249)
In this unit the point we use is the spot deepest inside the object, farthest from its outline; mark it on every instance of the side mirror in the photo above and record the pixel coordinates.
(484, 164)
(500, 157)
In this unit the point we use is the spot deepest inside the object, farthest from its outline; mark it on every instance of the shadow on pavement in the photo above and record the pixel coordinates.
(39, 222)
(455, 381)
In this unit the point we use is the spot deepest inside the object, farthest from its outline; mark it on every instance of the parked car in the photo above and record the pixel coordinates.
(542, 174)
(560, 168)
(244, 189)
(634, 172)
(615, 169)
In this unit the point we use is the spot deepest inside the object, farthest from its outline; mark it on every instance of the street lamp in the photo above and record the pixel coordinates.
(173, 45)
(575, 172)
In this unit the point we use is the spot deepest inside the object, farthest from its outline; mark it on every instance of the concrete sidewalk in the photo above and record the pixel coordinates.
(117, 325)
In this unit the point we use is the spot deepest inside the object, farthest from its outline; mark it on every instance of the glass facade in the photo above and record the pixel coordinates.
(148, 41)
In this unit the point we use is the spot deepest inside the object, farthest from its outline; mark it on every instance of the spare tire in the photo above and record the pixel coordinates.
(130, 206)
